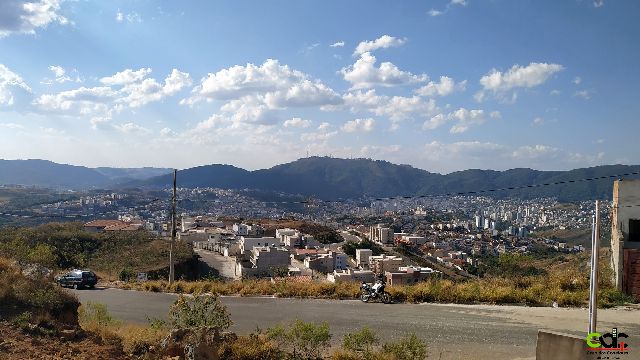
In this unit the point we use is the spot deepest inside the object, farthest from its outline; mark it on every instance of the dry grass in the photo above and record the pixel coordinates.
(132, 339)
(565, 282)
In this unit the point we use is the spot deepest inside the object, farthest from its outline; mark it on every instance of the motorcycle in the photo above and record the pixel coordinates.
(375, 291)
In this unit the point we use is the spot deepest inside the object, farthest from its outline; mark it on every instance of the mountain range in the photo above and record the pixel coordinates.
(327, 178)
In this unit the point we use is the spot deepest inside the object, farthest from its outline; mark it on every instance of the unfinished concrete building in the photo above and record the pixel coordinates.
(625, 236)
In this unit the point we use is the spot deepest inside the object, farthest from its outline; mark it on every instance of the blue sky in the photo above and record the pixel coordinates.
(442, 85)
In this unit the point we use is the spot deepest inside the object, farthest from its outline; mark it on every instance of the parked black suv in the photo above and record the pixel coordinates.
(78, 279)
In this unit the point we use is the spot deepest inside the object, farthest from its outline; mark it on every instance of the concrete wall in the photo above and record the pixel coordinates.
(625, 193)
(558, 346)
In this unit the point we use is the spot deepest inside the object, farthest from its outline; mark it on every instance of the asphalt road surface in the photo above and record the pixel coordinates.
(451, 331)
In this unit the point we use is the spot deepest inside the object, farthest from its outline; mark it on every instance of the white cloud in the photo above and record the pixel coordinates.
(434, 12)
(518, 76)
(555, 92)
(126, 77)
(462, 117)
(278, 86)
(585, 94)
(131, 128)
(9, 82)
(364, 74)
(495, 114)
(12, 126)
(132, 17)
(61, 76)
(318, 136)
(396, 108)
(83, 101)
(297, 122)
(443, 152)
(535, 151)
(445, 87)
(537, 121)
(359, 125)
(337, 44)
(24, 17)
(375, 150)
(459, 2)
(598, 3)
(324, 126)
(383, 42)
(435, 122)
(577, 80)
(149, 90)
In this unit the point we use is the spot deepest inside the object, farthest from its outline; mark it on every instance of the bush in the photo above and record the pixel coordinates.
(361, 342)
(408, 348)
(304, 341)
(199, 311)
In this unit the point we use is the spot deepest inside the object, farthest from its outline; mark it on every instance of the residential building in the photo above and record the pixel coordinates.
(383, 263)
(351, 275)
(362, 257)
(625, 236)
(409, 275)
(380, 234)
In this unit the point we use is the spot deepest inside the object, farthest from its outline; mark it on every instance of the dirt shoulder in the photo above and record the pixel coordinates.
(17, 345)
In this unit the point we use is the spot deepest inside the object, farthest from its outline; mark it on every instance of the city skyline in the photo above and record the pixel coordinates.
(442, 86)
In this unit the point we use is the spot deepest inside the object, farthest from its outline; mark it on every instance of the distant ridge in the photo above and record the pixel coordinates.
(332, 178)
(323, 177)
(45, 173)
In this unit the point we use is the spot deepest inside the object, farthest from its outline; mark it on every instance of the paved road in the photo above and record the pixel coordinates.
(452, 331)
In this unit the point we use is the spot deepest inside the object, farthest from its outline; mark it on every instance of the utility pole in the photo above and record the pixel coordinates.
(593, 286)
(173, 229)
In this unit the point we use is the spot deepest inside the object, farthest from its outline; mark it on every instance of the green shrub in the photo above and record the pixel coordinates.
(408, 348)
(199, 311)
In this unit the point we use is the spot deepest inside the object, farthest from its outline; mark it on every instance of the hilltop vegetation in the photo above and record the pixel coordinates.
(68, 245)
(325, 178)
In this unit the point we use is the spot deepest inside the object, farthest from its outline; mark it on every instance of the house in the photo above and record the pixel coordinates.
(408, 275)
(248, 243)
(264, 261)
(351, 275)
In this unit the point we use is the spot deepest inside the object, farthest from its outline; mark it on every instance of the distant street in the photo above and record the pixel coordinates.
(452, 331)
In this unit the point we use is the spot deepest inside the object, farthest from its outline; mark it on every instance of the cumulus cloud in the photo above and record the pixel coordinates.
(359, 125)
(101, 102)
(297, 122)
(383, 42)
(9, 83)
(518, 76)
(598, 3)
(24, 17)
(320, 136)
(396, 108)
(278, 85)
(462, 117)
(83, 101)
(337, 44)
(126, 77)
(434, 12)
(324, 126)
(132, 128)
(445, 87)
(61, 76)
(364, 74)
